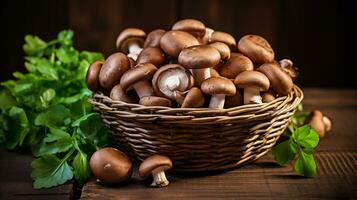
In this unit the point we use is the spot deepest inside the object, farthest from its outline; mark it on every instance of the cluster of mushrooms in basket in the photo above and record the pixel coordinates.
(189, 66)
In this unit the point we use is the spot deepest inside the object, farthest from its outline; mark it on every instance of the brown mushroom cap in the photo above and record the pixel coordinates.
(92, 77)
(155, 101)
(113, 68)
(192, 26)
(117, 94)
(198, 57)
(223, 49)
(153, 38)
(252, 79)
(130, 35)
(153, 164)
(228, 39)
(218, 85)
(172, 42)
(141, 72)
(287, 66)
(110, 165)
(151, 55)
(268, 96)
(167, 72)
(235, 66)
(193, 99)
(256, 48)
(233, 101)
(279, 80)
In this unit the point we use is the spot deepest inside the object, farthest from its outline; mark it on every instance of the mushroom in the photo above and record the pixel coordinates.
(228, 39)
(287, 66)
(117, 94)
(156, 165)
(112, 69)
(279, 80)
(191, 26)
(110, 165)
(153, 38)
(172, 42)
(268, 96)
(138, 78)
(235, 100)
(153, 55)
(92, 77)
(236, 65)
(207, 36)
(192, 98)
(256, 48)
(130, 41)
(170, 78)
(199, 58)
(214, 73)
(155, 101)
(322, 124)
(224, 50)
(219, 88)
(253, 82)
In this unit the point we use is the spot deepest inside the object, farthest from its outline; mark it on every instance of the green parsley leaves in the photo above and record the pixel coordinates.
(299, 146)
(46, 110)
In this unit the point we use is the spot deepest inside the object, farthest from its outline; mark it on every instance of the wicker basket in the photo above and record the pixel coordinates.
(198, 139)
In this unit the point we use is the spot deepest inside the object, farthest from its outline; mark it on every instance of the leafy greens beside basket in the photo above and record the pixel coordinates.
(46, 111)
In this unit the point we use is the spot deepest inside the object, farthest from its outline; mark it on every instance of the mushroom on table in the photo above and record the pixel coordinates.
(322, 124)
(156, 165)
(110, 165)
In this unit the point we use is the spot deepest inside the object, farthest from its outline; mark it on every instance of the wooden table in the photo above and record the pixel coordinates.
(336, 158)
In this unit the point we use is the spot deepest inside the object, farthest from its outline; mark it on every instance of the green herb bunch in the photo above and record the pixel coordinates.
(298, 148)
(46, 110)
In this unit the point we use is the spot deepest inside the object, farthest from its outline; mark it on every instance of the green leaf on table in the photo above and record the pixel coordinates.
(306, 136)
(81, 167)
(305, 164)
(34, 45)
(53, 116)
(56, 141)
(16, 127)
(49, 171)
(284, 152)
(65, 37)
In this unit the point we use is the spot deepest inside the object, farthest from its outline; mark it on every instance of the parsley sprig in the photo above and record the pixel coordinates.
(299, 146)
(46, 110)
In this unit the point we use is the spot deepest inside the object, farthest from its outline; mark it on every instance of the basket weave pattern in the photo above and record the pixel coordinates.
(198, 139)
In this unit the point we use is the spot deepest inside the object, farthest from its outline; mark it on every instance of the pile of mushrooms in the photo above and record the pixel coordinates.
(191, 66)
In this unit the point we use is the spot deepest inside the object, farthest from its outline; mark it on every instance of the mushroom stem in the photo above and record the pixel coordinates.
(134, 50)
(160, 179)
(252, 95)
(143, 89)
(217, 101)
(200, 75)
(327, 123)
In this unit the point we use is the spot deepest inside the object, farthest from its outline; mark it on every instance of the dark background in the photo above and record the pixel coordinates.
(317, 35)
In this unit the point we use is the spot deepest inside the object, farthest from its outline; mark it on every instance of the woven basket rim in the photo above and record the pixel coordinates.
(135, 106)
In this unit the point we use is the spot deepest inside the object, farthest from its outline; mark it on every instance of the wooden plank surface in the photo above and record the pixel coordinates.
(16, 183)
(336, 159)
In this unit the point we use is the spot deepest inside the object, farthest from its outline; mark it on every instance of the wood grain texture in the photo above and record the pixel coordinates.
(336, 159)
(16, 183)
